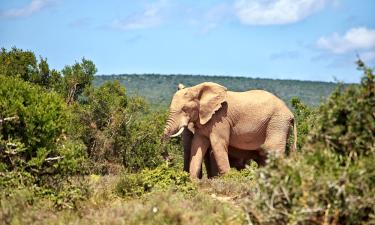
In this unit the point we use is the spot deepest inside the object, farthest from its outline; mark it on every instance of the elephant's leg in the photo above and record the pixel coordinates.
(276, 136)
(199, 147)
(239, 164)
(187, 137)
(219, 145)
(260, 157)
(210, 163)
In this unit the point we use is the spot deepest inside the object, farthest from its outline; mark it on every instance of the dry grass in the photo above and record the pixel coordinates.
(105, 207)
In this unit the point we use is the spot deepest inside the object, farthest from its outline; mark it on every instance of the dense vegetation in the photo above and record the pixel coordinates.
(158, 89)
(76, 153)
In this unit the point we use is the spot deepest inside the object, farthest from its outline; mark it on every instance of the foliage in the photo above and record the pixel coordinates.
(303, 117)
(331, 180)
(312, 189)
(103, 118)
(346, 122)
(76, 78)
(24, 65)
(119, 129)
(145, 149)
(162, 177)
(33, 136)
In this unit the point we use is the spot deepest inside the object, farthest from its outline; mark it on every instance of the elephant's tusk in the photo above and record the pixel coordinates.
(179, 132)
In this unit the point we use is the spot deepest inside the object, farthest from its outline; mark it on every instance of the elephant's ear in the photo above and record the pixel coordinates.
(211, 96)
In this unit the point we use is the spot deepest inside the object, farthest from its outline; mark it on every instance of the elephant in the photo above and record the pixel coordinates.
(228, 124)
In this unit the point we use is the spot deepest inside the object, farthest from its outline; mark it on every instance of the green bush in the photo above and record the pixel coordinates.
(24, 65)
(34, 139)
(303, 117)
(145, 149)
(345, 123)
(314, 187)
(39, 119)
(76, 79)
(332, 180)
(163, 177)
(120, 129)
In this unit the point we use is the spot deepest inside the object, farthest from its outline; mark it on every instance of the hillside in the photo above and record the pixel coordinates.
(158, 89)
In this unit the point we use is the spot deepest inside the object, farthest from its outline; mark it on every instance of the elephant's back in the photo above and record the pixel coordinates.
(256, 97)
(258, 100)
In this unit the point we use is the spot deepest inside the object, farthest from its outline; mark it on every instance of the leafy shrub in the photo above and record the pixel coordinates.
(39, 120)
(35, 140)
(162, 177)
(103, 118)
(346, 122)
(313, 189)
(303, 117)
(76, 78)
(332, 180)
(145, 149)
(24, 65)
(120, 129)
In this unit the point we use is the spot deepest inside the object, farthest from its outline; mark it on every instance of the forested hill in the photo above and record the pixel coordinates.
(158, 89)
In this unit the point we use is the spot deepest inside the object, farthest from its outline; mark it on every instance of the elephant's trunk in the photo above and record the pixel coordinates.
(171, 127)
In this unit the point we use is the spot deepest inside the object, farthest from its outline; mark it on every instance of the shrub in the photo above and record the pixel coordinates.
(332, 180)
(303, 117)
(313, 189)
(24, 65)
(145, 149)
(34, 139)
(76, 78)
(120, 129)
(39, 119)
(345, 123)
(163, 177)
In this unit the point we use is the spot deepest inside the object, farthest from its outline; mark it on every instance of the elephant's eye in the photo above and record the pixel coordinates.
(185, 108)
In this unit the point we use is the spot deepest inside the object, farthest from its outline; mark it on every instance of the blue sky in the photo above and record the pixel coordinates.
(280, 39)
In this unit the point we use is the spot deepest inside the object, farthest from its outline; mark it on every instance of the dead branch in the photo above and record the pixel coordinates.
(8, 119)
(53, 158)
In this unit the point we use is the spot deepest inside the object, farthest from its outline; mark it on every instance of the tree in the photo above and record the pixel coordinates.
(76, 78)
(24, 64)
(19, 63)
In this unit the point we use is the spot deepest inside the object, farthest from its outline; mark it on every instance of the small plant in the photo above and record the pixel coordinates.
(303, 116)
(162, 177)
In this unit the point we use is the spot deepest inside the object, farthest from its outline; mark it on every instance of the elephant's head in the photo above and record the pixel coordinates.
(193, 105)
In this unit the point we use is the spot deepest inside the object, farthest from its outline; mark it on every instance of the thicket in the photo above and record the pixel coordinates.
(54, 125)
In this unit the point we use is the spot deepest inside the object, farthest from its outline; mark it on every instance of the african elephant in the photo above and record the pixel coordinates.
(254, 120)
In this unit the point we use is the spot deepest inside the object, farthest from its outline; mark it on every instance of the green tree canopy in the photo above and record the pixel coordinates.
(77, 77)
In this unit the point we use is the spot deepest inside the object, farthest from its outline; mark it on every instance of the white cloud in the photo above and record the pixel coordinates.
(272, 12)
(359, 38)
(151, 16)
(33, 7)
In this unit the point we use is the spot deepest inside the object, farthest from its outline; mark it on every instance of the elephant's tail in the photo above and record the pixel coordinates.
(294, 147)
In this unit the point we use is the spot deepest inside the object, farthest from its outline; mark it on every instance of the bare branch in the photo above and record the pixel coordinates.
(53, 158)
(8, 119)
